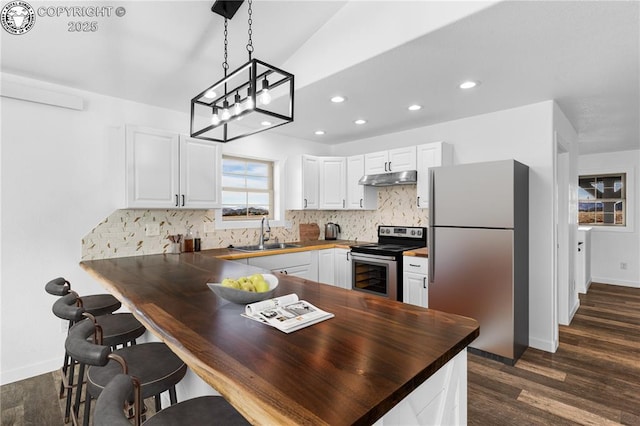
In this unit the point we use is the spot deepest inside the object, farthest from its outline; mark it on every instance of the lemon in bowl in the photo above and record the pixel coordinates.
(248, 289)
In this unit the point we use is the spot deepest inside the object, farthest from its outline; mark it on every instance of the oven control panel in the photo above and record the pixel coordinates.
(401, 231)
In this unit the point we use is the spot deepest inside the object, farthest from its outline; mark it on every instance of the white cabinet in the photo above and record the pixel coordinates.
(334, 267)
(302, 177)
(359, 197)
(394, 160)
(332, 183)
(414, 281)
(430, 155)
(300, 264)
(583, 260)
(326, 266)
(166, 170)
(342, 264)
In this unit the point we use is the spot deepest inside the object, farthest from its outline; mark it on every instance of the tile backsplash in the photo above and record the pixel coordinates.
(123, 232)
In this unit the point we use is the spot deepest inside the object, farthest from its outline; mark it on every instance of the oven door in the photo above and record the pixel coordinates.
(375, 274)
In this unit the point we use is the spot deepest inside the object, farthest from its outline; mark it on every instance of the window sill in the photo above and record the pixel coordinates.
(608, 228)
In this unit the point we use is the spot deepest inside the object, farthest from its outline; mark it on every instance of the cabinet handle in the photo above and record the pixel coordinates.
(182, 200)
(418, 201)
(424, 282)
(286, 273)
(305, 203)
(176, 200)
(385, 166)
(360, 202)
(389, 165)
(344, 204)
(415, 266)
(348, 255)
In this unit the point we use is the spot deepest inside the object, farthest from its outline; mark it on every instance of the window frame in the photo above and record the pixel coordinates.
(277, 199)
(270, 191)
(630, 197)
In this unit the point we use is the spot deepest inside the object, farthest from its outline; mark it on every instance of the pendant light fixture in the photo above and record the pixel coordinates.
(254, 98)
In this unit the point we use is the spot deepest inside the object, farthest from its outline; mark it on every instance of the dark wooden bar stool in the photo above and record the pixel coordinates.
(204, 410)
(116, 330)
(95, 304)
(156, 367)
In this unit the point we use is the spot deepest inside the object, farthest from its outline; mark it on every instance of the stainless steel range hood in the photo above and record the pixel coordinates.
(388, 179)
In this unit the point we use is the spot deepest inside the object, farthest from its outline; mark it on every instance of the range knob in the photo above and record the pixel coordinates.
(413, 232)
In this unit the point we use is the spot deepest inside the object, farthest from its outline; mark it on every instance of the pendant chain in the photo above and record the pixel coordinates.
(225, 64)
(250, 43)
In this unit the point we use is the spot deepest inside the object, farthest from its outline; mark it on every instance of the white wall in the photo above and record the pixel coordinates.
(55, 188)
(610, 247)
(525, 134)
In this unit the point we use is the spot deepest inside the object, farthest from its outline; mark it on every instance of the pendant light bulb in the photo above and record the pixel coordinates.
(237, 108)
(265, 96)
(215, 120)
(249, 104)
(226, 114)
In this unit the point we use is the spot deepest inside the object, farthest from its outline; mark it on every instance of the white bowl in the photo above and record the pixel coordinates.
(243, 297)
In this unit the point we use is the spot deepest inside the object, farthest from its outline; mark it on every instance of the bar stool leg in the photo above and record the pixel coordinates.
(76, 405)
(172, 395)
(70, 380)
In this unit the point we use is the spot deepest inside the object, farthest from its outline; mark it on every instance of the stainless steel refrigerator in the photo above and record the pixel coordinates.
(479, 251)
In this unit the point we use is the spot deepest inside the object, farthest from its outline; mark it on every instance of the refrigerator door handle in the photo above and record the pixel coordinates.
(431, 234)
(432, 257)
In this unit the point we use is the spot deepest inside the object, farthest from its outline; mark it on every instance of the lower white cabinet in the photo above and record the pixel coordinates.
(326, 266)
(302, 264)
(342, 262)
(414, 281)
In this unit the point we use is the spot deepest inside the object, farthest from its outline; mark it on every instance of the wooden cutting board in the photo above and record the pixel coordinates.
(309, 231)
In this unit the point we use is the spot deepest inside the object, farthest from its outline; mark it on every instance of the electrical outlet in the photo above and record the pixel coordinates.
(209, 227)
(152, 229)
(623, 265)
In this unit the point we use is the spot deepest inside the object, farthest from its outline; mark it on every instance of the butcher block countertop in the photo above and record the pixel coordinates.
(350, 369)
(231, 254)
(421, 252)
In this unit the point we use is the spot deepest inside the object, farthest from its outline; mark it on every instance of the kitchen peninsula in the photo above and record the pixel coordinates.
(356, 368)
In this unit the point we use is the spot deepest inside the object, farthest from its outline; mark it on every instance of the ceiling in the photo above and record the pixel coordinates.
(382, 55)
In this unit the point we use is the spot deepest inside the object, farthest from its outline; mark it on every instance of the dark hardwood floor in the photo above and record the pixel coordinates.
(593, 378)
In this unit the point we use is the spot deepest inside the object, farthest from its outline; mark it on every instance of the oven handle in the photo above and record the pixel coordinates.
(364, 256)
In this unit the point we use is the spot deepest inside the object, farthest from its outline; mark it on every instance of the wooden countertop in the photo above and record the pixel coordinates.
(421, 252)
(231, 254)
(350, 369)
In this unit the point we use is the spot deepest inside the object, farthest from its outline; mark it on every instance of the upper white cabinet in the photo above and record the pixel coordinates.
(332, 180)
(302, 179)
(166, 170)
(359, 197)
(430, 155)
(394, 160)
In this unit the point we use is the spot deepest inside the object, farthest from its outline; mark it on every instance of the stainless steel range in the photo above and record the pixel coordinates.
(377, 268)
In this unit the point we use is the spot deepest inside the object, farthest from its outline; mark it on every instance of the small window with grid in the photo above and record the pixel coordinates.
(247, 188)
(602, 200)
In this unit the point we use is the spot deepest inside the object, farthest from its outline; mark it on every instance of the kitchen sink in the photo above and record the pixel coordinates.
(266, 247)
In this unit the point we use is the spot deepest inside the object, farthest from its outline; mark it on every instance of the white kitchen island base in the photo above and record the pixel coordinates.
(441, 400)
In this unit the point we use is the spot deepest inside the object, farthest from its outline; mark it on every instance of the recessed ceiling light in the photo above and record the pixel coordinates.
(338, 99)
(415, 107)
(266, 123)
(360, 121)
(210, 94)
(468, 84)
(319, 132)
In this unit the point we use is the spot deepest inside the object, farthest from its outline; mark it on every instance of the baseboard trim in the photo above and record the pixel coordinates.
(32, 370)
(543, 345)
(613, 281)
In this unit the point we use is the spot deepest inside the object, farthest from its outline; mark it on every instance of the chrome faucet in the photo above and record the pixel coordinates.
(262, 232)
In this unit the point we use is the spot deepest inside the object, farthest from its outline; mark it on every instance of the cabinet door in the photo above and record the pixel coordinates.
(376, 163)
(326, 266)
(355, 192)
(302, 271)
(152, 168)
(402, 159)
(342, 260)
(429, 155)
(200, 170)
(414, 289)
(310, 182)
(333, 171)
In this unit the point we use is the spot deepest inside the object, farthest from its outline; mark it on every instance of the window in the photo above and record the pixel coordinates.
(247, 188)
(602, 200)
